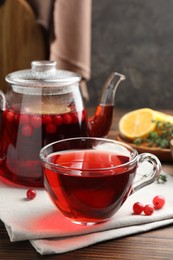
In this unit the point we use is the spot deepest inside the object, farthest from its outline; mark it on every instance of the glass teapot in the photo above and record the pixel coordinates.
(43, 105)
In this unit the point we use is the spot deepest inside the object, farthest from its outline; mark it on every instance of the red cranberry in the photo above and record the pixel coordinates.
(158, 202)
(50, 128)
(138, 208)
(46, 119)
(27, 130)
(58, 120)
(148, 209)
(67, 118)
(9, 116)
(84, 114)
(31, 194)
(24, 119)
(35, 121)
(16, 118)
(75, 118)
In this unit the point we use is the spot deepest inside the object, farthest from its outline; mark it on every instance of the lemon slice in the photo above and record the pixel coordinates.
(137, 124)
(163, 117)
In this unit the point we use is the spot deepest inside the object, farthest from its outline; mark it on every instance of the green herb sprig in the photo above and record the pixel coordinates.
(161, 137)
(162, 179)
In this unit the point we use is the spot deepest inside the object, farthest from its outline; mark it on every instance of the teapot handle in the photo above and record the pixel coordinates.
(2, 100)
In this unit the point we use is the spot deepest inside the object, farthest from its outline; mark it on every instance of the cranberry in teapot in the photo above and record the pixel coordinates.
(43, 105)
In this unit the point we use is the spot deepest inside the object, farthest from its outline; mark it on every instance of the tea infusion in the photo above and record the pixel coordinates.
(88, 187)
(24, 134)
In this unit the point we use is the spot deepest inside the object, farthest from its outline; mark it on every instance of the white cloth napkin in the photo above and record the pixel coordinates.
(50, 232)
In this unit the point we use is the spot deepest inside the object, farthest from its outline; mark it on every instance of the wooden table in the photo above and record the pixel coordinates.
(156, 244)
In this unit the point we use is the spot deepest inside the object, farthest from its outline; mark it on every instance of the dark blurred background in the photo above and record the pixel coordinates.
(135, 38)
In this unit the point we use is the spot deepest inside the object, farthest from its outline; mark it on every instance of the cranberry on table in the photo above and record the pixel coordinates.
(158, 202)
(31, 194)
(148, 209)
(138, 207)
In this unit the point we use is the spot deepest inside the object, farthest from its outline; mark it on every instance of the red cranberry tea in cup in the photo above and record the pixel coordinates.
(93, 191)
(88, 181)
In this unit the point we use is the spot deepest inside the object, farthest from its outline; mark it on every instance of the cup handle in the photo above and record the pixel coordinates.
(2, 101)
(151, 176)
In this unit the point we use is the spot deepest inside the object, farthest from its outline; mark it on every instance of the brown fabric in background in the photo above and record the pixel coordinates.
(67, 28)
(72, 45)
(43, 10)
(70, 24)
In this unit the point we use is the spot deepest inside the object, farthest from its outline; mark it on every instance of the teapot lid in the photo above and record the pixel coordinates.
(43, 73)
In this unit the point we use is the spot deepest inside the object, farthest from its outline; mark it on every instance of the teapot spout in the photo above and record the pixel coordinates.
(100, 124)
(110, 88)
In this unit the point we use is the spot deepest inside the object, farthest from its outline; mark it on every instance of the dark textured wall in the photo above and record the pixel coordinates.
(135, 38)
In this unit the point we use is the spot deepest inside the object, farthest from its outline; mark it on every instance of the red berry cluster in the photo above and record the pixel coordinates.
(158, 203)
(50, 122)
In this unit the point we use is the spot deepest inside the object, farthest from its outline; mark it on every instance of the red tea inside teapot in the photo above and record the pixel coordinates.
(43, 105)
